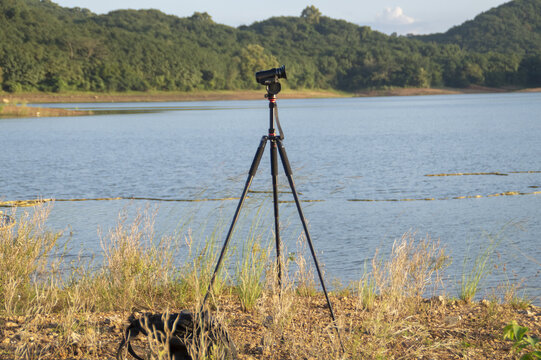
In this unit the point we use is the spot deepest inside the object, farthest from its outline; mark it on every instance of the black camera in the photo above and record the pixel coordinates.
(267, 77)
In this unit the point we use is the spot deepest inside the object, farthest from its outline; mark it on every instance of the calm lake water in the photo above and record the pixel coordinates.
(343, 152)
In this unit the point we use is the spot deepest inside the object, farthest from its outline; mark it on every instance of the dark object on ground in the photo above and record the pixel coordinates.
(180, 331)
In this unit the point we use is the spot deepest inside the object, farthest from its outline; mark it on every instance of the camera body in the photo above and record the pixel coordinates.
(267, 77)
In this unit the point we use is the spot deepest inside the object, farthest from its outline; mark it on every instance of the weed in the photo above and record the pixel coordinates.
(304, 276)
(412, 266)
(250, 272)
(366, 290)
(135, 265)
(523, 342)
(474, 273)
(197, 272)
(512, 296)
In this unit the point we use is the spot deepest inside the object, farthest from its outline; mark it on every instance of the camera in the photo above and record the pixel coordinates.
(267, 77)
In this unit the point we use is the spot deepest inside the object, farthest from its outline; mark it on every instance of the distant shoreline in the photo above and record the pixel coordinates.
(14, 104)
(43, 98)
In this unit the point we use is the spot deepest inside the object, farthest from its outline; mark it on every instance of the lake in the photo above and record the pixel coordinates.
(372, 169)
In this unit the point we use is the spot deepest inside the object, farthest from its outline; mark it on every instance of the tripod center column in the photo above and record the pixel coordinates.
(272, 105)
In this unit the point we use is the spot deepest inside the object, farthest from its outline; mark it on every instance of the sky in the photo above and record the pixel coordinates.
(400, 16)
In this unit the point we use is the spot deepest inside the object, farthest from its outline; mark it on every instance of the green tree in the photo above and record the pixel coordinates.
(311, 14)
(204, 16)
(46, 47)
(253, 58)
(530, 70)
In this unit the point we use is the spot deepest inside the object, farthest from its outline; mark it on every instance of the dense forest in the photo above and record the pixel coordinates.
(46, 47)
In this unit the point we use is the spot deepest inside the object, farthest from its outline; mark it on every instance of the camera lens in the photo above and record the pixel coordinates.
(266, 77)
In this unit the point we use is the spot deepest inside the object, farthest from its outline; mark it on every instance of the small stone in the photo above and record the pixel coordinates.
(75, 337)
(485, 303)
(11, 324)
(5, 101)
(452, 320)
(268, 321)
(440, 300)
(6, 341)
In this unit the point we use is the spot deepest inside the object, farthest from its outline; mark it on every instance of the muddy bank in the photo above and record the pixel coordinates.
(37, 98)
(30, 111)
(440, 91)
(40, 98)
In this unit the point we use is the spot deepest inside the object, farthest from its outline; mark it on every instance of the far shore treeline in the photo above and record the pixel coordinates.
(46, 47)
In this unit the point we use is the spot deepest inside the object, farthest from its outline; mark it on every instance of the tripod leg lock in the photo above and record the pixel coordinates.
(285, 160)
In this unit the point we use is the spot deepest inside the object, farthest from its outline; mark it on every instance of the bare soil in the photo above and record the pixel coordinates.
(439, 329)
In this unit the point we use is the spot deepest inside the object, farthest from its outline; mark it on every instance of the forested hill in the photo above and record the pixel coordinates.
(514, 27)
(46, 47)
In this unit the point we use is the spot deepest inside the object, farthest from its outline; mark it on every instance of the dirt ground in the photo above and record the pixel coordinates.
(439, 329)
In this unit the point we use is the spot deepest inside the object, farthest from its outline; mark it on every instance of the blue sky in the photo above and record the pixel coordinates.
(401, 16)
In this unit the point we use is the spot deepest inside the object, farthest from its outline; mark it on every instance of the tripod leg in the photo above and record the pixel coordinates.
(274, 171)
(251, 174)
(287, 169)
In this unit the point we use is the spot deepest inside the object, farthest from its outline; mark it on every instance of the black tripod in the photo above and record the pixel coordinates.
(276, 147)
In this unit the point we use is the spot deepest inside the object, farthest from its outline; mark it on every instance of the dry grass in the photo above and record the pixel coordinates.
(51, 309)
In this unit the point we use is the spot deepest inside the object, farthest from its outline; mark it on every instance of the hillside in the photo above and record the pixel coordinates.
(46, 47)
(514, 27)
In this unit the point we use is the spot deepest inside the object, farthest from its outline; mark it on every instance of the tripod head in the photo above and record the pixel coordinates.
(270, 79)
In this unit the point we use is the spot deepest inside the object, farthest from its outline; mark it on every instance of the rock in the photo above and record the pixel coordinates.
(75, 338)
(485, 303)
(113, 320)
(439, 300)
(452, 320)
(5, 101)
(268, 321)
(11, 324)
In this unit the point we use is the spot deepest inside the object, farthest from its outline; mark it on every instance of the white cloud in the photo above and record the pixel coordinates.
(394, 16)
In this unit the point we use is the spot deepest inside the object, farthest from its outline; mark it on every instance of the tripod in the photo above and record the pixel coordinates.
(276, 147)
